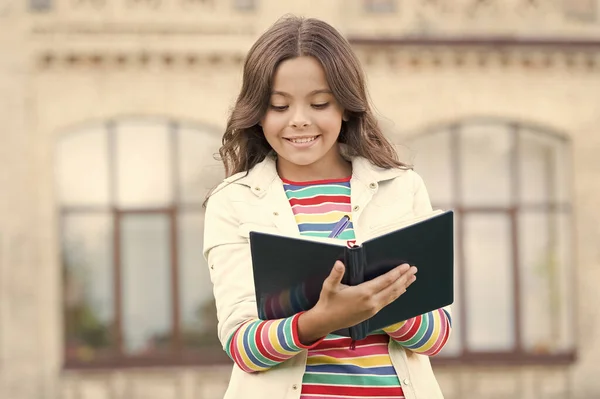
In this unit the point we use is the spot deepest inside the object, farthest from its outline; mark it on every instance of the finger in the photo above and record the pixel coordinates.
(411, 280)
(335, 277)
(392, 292)
(386, 279)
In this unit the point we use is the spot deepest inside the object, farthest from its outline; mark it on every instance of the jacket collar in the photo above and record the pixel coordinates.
(259, 178)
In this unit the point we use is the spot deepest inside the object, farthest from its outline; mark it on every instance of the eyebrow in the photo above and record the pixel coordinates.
(312, 93)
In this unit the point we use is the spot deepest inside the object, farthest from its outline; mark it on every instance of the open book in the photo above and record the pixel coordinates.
(289, 271)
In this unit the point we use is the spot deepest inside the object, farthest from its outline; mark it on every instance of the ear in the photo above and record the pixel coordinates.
(345, 117)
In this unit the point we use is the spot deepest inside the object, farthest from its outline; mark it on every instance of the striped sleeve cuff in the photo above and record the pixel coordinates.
(297, 342)
(258, 345)
(426, 334)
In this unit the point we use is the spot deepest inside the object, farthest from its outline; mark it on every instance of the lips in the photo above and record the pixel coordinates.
(301, 140)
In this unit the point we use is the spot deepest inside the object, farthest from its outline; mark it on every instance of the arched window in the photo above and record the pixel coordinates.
(136, 287)
(509, 184)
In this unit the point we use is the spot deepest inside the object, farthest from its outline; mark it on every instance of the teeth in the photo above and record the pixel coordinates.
(303, 140)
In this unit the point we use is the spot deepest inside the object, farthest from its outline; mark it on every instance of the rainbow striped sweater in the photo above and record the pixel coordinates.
(334, 369)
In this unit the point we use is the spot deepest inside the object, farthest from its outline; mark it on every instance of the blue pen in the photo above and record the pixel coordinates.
(340, 227)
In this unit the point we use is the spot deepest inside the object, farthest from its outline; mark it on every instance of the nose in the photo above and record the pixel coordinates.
(299, 124)
(299, 119)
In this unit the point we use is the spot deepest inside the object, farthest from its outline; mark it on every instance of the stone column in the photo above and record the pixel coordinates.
(22, 374)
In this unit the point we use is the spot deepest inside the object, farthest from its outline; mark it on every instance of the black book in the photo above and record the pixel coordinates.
(289, 271)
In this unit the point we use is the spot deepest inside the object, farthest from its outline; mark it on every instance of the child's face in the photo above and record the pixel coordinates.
(303, 120)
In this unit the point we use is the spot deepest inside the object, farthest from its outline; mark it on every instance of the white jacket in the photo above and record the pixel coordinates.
(381, 200)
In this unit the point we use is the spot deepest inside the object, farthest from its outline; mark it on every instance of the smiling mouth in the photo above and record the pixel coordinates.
(302, 140)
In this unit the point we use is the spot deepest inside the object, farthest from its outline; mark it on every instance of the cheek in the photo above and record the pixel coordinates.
(331, 122)
(272, 125)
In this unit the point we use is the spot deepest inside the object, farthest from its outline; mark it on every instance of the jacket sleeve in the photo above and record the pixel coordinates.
(254, 345)
(259, 345)
(425, 334)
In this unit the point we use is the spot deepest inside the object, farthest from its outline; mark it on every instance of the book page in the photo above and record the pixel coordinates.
(401, 224)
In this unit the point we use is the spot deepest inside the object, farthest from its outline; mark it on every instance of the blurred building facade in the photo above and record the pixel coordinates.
(110, 111)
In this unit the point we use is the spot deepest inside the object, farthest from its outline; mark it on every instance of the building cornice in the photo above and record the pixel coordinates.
(406, 53)
(494, 42)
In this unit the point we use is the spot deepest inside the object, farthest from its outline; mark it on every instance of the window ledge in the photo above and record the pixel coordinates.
(216, 357)
(505, 359)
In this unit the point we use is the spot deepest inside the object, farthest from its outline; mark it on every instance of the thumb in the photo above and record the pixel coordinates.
(336, 275)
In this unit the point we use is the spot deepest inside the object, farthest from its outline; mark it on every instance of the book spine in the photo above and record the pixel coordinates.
(355, 268)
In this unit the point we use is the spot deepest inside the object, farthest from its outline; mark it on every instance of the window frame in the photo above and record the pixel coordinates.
(214, 355)
(114, 357)
(518, 355)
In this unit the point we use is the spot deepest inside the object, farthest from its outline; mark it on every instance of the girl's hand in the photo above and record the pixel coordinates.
(341, 306)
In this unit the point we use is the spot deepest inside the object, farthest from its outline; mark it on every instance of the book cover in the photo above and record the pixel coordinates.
(289, 271)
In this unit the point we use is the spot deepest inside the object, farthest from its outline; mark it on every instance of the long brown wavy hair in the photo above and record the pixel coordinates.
(244, 144)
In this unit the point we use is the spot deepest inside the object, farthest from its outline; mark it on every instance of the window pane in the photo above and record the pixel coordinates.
(145, 264)
(88, 284)
(82, 168)
(198, 312)
(432, 160)
(546, 278)
(544, 167)
(199, 170)
(143, 164)
(566, 280)
(485, 159)
(454, 347)
(489, 294)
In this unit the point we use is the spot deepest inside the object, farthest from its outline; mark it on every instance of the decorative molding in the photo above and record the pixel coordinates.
(505, 9)
(50, 60)
(115, 29)
(98, 5)
(414, 58)
(472, 8)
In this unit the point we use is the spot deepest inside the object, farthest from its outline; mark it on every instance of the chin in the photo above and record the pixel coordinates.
(302, 160)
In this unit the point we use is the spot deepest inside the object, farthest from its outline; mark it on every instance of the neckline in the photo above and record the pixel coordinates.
(312, 182)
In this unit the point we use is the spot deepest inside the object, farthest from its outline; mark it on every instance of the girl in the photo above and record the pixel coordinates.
(302, 149)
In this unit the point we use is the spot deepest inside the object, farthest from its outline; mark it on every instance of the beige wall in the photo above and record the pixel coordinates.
(39, 102)
(558, 98)
(20, 374)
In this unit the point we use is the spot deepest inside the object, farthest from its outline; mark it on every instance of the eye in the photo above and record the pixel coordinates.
(320, 106)
(279, 108)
